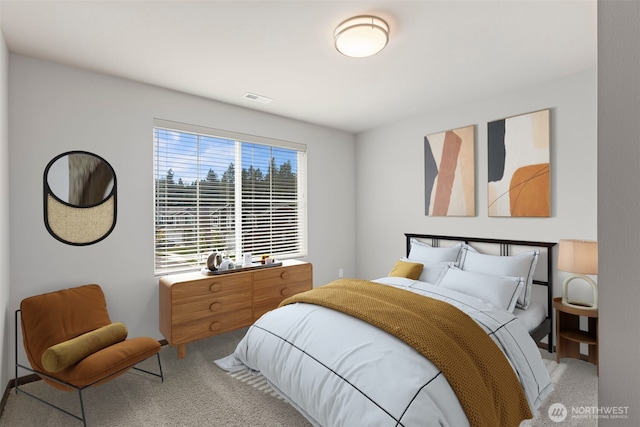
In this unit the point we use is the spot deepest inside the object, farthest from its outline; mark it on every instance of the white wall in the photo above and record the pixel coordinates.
(618, 207)
(390, 174)
(55, 109)
(6, 313)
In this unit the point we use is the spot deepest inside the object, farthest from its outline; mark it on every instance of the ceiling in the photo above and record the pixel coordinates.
(440, 53)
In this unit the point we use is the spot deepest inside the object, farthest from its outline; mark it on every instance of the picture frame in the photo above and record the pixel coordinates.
(449, 164)
(518, 181)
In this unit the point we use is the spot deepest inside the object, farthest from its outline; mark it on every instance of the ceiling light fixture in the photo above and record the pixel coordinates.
(361, 36)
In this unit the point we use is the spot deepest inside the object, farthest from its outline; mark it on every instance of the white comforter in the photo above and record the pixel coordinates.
(340, 371)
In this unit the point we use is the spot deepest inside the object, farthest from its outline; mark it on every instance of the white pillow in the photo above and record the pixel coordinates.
(501, 292)
(432, 272)
(423, 252)
(521, 265)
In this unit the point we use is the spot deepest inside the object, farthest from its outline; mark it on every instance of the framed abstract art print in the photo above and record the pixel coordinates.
(518, 166)
(449, 170)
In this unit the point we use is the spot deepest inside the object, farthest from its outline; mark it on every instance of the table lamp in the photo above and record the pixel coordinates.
(579, 257)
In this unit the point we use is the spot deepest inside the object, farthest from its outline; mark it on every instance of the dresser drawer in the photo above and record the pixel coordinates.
(188, 292)
(272, 286)
(210, 325)
(267, 301)
(278, 291)
(277, 276)
(215, 303)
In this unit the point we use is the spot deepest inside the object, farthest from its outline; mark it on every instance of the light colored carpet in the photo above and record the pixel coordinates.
(198, 393)
(575, 391)
(195, 392)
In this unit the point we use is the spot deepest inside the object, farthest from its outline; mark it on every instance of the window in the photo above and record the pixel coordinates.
(222, 191)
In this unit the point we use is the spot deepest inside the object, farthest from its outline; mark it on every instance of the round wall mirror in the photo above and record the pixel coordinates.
(79, 198)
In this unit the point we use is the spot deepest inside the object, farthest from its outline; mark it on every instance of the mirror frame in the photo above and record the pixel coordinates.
(100, 216)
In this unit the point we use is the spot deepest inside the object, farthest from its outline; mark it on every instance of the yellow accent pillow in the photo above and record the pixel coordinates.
(410, 270)
(67, 353)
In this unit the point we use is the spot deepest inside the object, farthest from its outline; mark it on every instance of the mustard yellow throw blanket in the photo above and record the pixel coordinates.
(477, 370)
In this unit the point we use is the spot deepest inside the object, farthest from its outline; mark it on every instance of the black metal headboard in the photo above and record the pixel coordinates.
(505, 248)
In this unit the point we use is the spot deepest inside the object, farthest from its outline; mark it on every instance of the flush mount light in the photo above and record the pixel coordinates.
(361, 36)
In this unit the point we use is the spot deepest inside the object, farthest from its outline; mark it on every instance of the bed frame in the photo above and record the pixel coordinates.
(545, 328)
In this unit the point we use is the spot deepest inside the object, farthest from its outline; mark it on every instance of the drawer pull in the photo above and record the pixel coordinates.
(215, 326)
(285, 292)
(215, 287)
(284, 275)
(215, 306)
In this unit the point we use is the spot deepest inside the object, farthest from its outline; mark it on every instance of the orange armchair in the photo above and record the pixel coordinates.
(72, 344)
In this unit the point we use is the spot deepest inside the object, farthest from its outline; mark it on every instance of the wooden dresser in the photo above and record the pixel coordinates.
(195, 306)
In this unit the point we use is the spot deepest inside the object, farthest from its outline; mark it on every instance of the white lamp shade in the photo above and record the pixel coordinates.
(578, 256)
(361, 36)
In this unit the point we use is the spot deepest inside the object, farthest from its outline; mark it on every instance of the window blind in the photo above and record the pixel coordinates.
(232, 193)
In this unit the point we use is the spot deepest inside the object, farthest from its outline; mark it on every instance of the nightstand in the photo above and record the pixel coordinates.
(569, 336)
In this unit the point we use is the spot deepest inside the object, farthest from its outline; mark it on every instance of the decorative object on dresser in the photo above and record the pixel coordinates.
(579, 257)
(194, 306)
(570, 336)
(449, 172)
(214, 261)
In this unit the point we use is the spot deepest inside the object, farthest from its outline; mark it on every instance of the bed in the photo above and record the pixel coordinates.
(357, 352)
(538, 316)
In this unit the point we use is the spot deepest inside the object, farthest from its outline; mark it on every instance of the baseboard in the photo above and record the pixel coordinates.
(12, 384)
(5, 397)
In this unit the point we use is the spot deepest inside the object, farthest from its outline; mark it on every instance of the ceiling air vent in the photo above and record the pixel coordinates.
(257, 98)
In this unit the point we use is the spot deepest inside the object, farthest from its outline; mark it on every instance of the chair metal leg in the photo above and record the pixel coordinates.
(15, 359)
(79, 418)
(160, 367)
(159, 375)
(84, 417)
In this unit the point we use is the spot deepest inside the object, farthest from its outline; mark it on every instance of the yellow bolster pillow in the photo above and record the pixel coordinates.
(67, 353)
